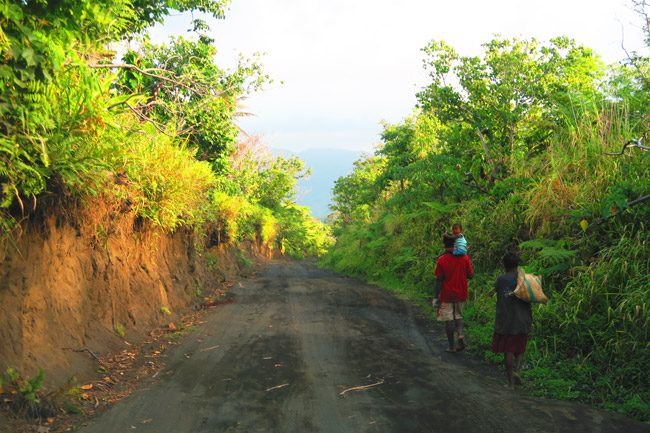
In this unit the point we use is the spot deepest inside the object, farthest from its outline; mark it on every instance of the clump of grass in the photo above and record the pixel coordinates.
(120, 329)
(25, 394)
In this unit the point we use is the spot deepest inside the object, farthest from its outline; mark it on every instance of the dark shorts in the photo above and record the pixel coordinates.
(505, 343)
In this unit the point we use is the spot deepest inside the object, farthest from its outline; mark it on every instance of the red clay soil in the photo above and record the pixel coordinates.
(65, 294)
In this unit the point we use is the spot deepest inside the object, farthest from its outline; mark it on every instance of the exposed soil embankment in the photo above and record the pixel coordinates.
(62, 290)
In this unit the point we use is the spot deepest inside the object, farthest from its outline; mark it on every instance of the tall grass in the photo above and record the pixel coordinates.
(566, 209)
(591, 341)
(577, 174)
(168, 186)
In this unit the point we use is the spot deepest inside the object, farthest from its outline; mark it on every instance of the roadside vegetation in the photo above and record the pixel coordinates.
(528, 146)
(148, 136)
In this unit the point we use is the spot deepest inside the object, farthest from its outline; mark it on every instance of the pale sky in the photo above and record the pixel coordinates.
(349, 64)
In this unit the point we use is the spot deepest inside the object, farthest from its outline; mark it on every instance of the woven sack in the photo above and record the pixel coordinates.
(529, 288)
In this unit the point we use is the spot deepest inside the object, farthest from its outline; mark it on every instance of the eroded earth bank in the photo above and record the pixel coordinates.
(66, 293)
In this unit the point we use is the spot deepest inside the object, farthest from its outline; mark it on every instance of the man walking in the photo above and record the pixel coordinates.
(452, 273)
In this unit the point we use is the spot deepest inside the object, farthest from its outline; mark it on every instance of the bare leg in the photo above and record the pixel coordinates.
(516, 375)
(518, 358)
(509, 362)
(461, 335)
(449, 329)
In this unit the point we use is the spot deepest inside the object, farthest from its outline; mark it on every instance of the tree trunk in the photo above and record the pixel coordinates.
(488, 156)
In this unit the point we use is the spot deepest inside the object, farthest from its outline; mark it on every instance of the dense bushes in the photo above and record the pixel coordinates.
(518, 152)
(150, 134)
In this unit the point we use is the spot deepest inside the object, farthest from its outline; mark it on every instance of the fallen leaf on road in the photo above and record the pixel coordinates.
(86, 387)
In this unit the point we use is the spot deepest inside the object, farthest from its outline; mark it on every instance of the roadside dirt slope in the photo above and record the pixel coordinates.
(63, 290)
(303, 350)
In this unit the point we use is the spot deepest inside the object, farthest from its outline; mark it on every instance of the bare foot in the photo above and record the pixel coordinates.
(461, 345)
(516, 378)
(451, 350)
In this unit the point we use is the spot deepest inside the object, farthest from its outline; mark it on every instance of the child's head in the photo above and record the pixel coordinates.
(457, 228)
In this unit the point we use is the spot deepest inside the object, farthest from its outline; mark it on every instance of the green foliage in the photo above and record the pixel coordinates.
(189, 93)
(513, 145)
(58, 135)
(277, 182)
(153, 133)
(253, 201)
(120, 329)
(167, 185)
(353, 194)
(300, 234)
(243, 261)
(503, 104)
(232, 215)
(149, 12)
(549, 257)
(71, 408)
(28, 389)
(211, 261)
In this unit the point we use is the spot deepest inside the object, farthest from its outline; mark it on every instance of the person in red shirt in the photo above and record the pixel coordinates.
(452, 273)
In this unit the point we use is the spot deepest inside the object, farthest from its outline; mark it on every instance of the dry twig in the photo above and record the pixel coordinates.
(277, 387)
(634, 143)
(361, 388)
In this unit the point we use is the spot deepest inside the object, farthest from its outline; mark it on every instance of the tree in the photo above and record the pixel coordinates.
(353, 194)
(277, 181)
(502, 105)
(182, 90)
(52, 104)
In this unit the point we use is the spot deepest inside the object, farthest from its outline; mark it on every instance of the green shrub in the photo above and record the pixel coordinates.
(167, 185)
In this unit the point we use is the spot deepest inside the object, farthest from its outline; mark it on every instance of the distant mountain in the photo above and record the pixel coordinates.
(327, 165)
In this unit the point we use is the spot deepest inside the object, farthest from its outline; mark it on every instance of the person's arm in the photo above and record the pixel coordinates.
(470, 270)
(438, 287)
(440, 278)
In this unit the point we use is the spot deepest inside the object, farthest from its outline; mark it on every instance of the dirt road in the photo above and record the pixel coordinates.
(284, 355)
